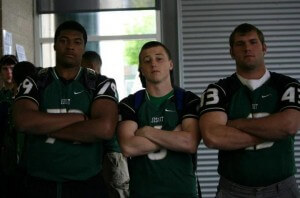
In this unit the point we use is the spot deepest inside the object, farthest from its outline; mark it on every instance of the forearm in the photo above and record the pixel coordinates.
(40, 123)
(136, 146)
(86, 131)
(231, 139)
(272, 127)
(173, 140)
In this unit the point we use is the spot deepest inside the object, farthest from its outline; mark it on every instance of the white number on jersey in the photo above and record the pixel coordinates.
(106, 86)
(51, 140)
(289, 95)
(210, 97)
(264, 144)
(160, 154)
(27, 85)
(298, 95)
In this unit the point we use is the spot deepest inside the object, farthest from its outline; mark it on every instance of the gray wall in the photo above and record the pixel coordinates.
(169, 32)
(17, 18)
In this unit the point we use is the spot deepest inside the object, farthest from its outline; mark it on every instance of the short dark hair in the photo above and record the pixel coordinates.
(71, 25)
(148, 45)
(243, 29)
(23, 69)
(92, 56)
(8, 60)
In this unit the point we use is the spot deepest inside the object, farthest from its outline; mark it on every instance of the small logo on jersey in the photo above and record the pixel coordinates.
(65, 101)
(156, 120)
(254, 106)
(169, 110)
(265, 96)
(78, 92)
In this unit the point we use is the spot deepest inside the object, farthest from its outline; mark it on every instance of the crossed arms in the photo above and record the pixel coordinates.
(220, 133)
(67, 126)
(136, 141)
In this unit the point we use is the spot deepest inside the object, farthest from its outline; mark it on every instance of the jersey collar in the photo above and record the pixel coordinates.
(57, 77)
(253, 84)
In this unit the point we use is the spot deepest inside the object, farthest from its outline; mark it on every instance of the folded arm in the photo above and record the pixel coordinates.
(272, 127)
(101, 125)
(216, 134)
(132, 145)
(29, 119)
(184, 138)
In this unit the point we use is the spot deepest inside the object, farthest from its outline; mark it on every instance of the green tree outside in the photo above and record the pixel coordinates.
(145, 25)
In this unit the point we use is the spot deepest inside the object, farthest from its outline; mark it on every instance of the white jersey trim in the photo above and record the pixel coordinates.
(28, 97)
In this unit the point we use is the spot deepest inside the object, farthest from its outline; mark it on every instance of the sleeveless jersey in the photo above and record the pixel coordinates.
(165, 173)
(266, 163)
(55, 159)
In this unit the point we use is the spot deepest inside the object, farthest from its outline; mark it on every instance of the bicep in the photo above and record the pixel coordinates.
(289, 119)
(104, 116)
(104, 109)
(292, 114)
(126, 130)
(210, 121)
(191, 125)
(24, 111)
(22, 106)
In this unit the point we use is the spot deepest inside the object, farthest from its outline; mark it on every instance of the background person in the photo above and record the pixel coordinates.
(115, 169)
(8, 153)
(92, 60)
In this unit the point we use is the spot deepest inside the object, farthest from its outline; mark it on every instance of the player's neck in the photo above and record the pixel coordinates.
(67, 73)
(159, 90)
(252, 75)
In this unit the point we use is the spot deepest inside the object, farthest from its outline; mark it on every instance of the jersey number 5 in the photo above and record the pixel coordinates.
(160, 154)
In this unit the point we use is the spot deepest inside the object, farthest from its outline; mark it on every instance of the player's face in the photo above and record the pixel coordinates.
(6, 73)
(248, 52)
(156, 65)
(69, 48)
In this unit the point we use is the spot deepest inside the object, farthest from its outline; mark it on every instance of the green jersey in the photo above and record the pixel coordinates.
(112, 145)
(55, 159)
(6, 95)
(266, 163)
(165, 173)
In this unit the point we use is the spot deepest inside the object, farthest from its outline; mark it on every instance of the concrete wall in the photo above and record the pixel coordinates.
(17, 18)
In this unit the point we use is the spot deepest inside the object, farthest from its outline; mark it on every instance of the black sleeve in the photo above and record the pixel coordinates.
(213, 99)
(106, 88)
(28, 89)
(126, 109)
(289, 93)
(217, 95)
(191, 106)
